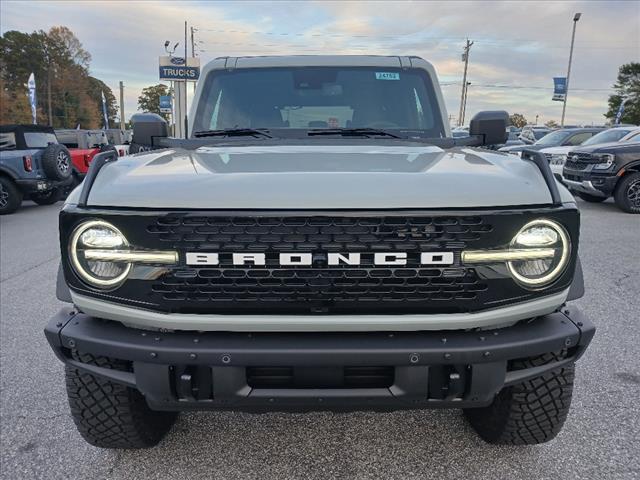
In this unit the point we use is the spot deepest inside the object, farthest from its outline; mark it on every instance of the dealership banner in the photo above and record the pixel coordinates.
(177, 68)
(104, 111)
(620, 111)
(559, 89)
(31, 85)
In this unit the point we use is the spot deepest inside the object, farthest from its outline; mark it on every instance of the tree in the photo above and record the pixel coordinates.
(96, 87)
(627, 87)
(149, 100)
(552, 124)
(61, 67)
(518, 120)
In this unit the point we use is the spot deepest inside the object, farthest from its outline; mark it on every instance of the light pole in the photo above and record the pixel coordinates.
(576, 17)
(173, 115)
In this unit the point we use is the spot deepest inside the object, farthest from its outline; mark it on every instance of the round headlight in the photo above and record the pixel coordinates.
(98, 235)
(541, 234)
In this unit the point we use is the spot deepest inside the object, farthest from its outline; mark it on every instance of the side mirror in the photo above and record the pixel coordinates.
(148, 128)
(491, 126)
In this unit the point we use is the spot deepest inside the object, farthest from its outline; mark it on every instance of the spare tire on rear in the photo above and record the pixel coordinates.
(106, 148)
(56, 162)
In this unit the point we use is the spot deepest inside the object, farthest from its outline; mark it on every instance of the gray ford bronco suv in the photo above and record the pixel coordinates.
(320, 241)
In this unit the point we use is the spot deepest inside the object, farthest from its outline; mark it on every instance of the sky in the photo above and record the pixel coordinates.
(519, 46)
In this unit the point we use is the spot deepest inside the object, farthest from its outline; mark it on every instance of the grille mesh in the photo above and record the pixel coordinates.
(319, 285)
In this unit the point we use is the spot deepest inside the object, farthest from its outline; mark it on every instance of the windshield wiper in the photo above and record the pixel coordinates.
(353, 132)
(233, 132)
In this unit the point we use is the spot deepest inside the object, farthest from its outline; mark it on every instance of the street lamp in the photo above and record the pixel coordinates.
(166, 47)
(576, 17)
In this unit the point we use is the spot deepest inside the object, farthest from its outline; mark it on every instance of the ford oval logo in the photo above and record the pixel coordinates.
(177, 60)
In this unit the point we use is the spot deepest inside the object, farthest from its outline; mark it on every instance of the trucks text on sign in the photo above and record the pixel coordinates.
(176, 68)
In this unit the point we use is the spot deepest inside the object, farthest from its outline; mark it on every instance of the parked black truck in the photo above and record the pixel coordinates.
(598, 172)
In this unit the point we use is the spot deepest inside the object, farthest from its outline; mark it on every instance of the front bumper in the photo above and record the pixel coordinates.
(40, 185)
(317, 371)
(597, 184)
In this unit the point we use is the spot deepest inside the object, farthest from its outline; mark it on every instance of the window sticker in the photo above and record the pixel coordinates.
(387, 76)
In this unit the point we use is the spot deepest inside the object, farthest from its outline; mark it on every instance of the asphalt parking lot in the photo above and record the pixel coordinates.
(600, 439)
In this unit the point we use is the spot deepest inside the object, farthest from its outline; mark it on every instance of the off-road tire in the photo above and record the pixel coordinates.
(110, 415)
(52, 196)
(590, 198)
(56, 162)
(10, 196)
(528, 413)
(627, 194)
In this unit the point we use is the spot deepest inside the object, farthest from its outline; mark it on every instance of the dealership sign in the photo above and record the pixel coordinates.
(165, 103)
(176, 68)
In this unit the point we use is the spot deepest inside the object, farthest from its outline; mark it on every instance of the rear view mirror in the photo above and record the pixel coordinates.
(148, 128)
(491, 126)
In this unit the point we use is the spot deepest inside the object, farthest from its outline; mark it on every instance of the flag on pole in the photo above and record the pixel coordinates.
(559, 89)
(620, 111)
(31, 84)
(104, 111)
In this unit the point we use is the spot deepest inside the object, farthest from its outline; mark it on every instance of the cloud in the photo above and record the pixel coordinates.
(523, 44)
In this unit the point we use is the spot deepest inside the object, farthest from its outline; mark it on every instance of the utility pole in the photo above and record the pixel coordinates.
(465, 58)
(193, 54)
(122, 106)
(464, 108)
(49, 95)
(576, 17)
(186, 108)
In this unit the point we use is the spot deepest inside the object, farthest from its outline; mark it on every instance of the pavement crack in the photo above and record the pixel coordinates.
(29, 269)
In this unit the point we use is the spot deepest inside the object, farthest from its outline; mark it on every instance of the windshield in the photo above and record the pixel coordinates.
(538, 134)
(306, 98)
(39, 139)
(607, 136)
(553, 138)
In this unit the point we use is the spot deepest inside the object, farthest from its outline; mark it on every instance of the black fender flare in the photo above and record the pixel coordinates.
(7, 173)
(634, 166)
(62, 290)
(576, 290)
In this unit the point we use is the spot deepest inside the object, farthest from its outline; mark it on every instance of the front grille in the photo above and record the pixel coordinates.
(580, 161)
(320, 286)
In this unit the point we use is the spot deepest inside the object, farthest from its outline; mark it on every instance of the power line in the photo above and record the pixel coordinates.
(394, 38)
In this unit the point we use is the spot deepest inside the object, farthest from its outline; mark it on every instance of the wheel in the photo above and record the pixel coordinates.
(52, 196)
(10, 196)
(528, 413)
(627, 194)
(110, 415)
(591, 198)
(56, 162)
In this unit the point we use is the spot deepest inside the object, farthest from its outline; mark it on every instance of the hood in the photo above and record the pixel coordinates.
(558, 150)
(520, 147)
(318, 177)
(606, 147)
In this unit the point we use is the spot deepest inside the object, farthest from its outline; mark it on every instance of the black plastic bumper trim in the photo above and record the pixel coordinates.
(155, 355)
